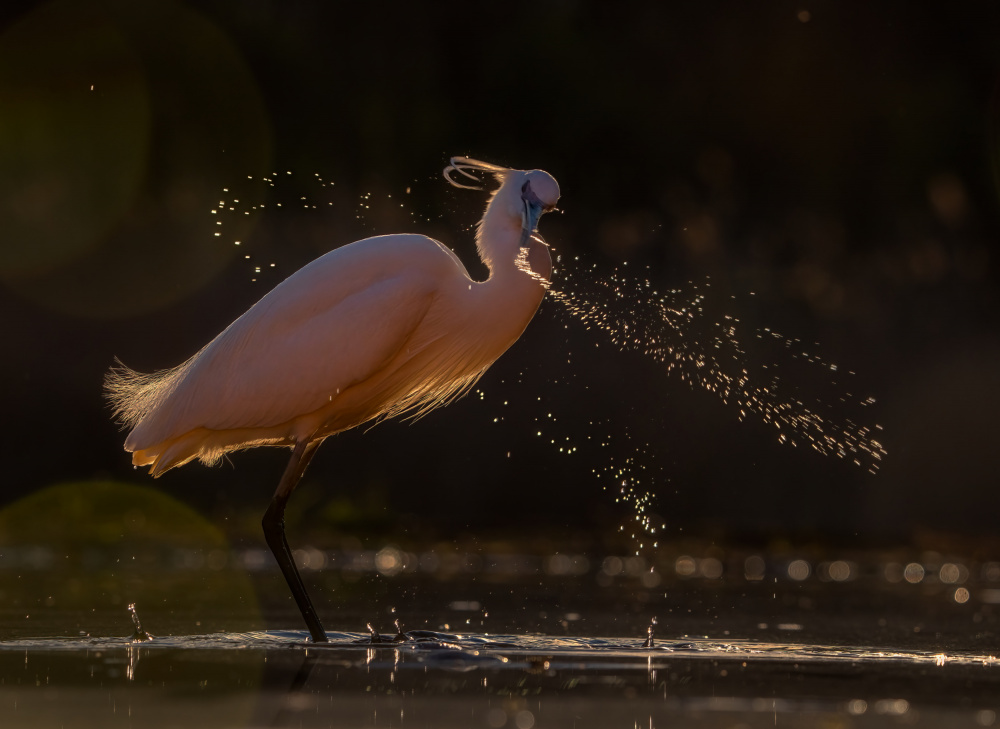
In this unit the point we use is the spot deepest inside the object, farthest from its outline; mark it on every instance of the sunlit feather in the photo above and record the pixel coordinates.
(388, 326)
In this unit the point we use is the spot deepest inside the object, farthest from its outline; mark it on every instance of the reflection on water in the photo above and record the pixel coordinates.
(476, 680)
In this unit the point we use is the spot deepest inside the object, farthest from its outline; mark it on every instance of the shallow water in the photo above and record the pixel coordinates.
(448, 679)
(502, 639)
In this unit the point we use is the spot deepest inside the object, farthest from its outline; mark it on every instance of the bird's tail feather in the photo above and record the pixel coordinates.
(132, 395)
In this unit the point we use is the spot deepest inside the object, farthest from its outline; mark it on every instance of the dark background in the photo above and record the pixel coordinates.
(838, 160)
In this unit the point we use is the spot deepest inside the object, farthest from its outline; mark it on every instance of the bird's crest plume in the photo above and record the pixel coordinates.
(462, 165)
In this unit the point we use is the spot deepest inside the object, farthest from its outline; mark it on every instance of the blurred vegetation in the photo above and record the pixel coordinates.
(96, 547)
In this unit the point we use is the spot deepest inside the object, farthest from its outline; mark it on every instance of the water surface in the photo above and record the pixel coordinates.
(450, 679)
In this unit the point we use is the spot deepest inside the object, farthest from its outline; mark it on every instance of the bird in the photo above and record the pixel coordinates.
(391, 325)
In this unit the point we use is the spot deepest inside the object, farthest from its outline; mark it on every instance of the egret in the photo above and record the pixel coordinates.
(382, 327)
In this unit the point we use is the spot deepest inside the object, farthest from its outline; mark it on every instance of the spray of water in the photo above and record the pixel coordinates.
(674, 327)
(671, 328)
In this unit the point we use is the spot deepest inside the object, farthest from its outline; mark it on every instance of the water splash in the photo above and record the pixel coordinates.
(254, 196)
(138, 635)
(671, 328)
(677, 328)
(288, 193)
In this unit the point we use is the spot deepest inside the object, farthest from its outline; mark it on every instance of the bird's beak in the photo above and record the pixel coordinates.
(529, 221)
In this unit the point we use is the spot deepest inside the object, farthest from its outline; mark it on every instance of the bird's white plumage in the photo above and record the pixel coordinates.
(379, 327)
(326, 328)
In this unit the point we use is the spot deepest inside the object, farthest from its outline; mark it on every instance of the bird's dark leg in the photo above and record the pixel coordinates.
(274, 535)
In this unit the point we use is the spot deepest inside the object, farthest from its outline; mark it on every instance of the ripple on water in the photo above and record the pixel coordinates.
(444, 679)
(488, 646)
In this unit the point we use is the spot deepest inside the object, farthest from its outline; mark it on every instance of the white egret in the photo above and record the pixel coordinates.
(384, 326)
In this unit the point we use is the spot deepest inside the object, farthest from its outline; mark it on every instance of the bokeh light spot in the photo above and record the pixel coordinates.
(799, 570)
(71, 159)
(913, 573)
(103, 192)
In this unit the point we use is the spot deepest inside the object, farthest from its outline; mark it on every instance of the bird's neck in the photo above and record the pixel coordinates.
(498, 240)
(518, 276)
(506, 301)
(498, 237)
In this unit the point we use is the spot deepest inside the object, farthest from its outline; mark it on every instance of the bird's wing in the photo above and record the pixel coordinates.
(328, 327)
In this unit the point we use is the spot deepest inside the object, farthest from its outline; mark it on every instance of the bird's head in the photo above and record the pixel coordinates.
(522, 198)
(539, 194)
